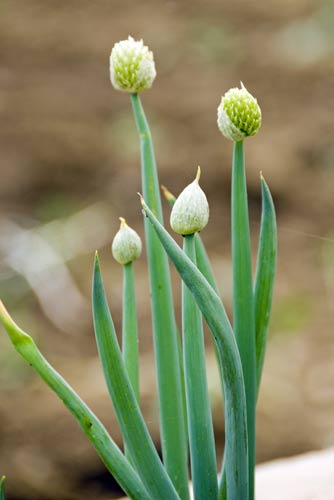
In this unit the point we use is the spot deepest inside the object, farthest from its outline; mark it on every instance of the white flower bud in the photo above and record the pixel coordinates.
(239, 114)
(190, 213)
(132, 67)
(126, 246)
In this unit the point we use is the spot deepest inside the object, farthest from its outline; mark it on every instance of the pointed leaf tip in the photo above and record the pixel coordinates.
(142, 201)
(168, 195)
(2, 487)
(96, 262)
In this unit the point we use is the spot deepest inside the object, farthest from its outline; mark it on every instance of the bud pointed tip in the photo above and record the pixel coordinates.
(123, 222)
(198, 174)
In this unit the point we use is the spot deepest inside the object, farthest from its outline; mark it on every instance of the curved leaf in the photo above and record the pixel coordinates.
(265, 276)
(134, 431)
(110, 454)
(234, 392)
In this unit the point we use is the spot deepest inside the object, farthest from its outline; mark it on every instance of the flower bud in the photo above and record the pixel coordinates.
(126, 245)
(239, 114)
(190, 213)
(132, 67)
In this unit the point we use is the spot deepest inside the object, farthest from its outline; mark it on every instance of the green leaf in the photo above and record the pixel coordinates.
(2, 488)
(263, 289)
(110, 454)
(168, 363)
(200, 428)
(265, 276)
(134, 431)
(234, 393)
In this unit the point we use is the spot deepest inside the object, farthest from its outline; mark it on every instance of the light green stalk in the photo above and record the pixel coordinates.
(134, 431)
(130, 333)
(2, 488)
(171, 404)
(234, 392)
(265, 276)
(243, 303)
(130, 329)
(108, 451)
(200, 428)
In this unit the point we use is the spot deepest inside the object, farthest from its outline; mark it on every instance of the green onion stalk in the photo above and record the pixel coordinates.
(126, 248)
(233, 391)
(132, 70)
(239, 116)
(188, 218)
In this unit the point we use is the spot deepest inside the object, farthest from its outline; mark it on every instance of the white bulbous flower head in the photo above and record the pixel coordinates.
(126, 246)
(132, 67)
(239, 115)
(190, 213)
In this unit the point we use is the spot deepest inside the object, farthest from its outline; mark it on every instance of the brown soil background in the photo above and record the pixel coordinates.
(68, 143)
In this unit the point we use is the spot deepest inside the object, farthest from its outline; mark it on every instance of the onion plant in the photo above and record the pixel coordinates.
(184, 408)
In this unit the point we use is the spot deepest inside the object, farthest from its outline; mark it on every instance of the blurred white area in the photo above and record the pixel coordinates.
(40, 256)
(305, 477)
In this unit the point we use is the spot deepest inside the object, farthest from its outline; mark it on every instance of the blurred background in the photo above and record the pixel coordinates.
(70, 167)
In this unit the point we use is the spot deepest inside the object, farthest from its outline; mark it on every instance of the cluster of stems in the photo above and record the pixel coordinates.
(184, 408)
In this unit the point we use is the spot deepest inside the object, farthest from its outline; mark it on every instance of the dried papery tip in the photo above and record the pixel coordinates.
(3, 311)
(167, 194)
(198, 174)
(190, 213)
(17, 336)
(126, 246)
(239, 115)
(142, 201)
(132, 67)
(123, 222)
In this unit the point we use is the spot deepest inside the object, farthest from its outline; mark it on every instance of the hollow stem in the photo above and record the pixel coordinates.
(200, 428)
(130, 332)
(243, 302)
(234, 391)
(130, 328)
(168, 363)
